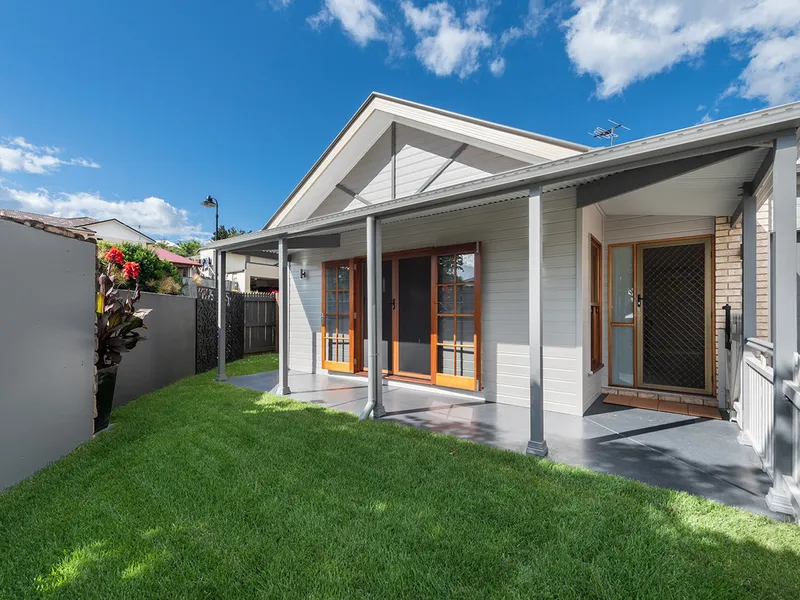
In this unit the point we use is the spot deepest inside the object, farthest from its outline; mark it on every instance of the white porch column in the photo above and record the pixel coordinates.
(374, 371)
(379, 410)
(536, 444)
(283, 319)
(784, 210)
(221, 306)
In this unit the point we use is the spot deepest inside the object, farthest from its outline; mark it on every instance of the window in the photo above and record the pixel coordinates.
(595, 304)
(336, 328)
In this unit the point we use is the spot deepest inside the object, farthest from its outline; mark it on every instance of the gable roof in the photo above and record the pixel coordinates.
(175, 259)
(147, 237)
(66, 222)
(379, 111)
(750, 129)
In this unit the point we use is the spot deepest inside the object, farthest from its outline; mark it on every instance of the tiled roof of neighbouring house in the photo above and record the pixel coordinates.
(33, 220)
(175, 259)
(47, 219)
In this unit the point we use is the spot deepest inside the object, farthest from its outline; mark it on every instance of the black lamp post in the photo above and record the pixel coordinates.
(210, 202)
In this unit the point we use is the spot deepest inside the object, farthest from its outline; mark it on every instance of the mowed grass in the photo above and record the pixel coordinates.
(206, 490)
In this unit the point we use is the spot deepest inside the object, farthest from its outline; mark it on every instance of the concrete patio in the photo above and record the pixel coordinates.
(681, 452)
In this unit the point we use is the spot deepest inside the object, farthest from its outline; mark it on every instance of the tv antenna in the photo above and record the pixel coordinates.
(608, 133)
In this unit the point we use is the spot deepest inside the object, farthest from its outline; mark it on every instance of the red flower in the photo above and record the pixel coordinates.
(131, 270)
(115, 255)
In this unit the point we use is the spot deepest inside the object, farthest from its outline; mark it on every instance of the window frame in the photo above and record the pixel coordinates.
(595, 304)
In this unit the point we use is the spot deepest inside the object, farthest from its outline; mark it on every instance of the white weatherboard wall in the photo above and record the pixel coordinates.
(502, 229)
(114, 233)
(623, 229)
(593, 222)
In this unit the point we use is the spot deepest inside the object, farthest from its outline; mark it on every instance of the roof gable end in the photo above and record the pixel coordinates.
(371, 125)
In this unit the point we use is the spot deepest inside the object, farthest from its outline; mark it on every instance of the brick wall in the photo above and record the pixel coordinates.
(728, 275)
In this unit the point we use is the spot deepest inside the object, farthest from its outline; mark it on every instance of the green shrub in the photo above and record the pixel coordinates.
(154, 271)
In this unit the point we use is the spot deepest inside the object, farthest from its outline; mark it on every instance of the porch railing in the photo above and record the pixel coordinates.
(756, 403)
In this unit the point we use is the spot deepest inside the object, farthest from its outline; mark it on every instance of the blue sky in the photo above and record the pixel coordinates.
(139, 110)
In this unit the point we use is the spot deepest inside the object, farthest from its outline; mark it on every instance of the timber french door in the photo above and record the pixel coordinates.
(456, 318)
(337, 316)
(430, 315)
(660, 315)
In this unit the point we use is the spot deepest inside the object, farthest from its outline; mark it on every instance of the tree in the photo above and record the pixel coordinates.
(227, 232)
(156, 275)
(188, 247)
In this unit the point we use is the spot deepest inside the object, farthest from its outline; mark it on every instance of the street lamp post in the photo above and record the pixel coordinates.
(210, 202)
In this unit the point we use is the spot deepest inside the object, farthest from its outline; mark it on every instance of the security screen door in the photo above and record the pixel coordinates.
(674, 302)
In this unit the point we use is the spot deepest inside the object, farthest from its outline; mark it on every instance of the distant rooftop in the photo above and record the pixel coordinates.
(175, 259)
(47, 219)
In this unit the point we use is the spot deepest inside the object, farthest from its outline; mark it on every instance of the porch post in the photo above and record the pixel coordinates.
(373, 372)
(221, 306)
(283, 319)
(784, 210)
(537, 444)
(379, 410)
(749, 327)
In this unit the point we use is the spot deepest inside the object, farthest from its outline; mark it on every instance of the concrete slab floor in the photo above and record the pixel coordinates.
(675, 451)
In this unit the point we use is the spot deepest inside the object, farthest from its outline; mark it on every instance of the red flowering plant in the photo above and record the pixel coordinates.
(117, 318)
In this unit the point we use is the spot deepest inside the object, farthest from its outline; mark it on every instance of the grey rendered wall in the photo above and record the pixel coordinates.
(168, 353)
(47, 304)
(502, 229)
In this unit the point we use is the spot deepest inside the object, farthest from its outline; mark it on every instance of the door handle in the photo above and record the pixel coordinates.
(392, 303)
(639, 300)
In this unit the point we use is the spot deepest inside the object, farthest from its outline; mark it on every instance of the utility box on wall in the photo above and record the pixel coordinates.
(47, 304)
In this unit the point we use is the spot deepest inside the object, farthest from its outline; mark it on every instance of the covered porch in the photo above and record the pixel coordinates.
(734, 160)
(679, 452)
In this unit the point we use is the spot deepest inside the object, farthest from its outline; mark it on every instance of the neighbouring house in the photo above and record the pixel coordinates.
(538, 272)
(105, 230)
(186, 266)
(246, 273)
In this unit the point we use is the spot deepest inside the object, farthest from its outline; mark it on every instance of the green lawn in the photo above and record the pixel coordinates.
(206, 490)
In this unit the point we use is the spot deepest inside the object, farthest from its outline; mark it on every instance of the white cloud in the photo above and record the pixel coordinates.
(620, 42)
(536, 16)
(448, 44)
(153, 216)
(498, 66)
(774, 71)
(17, 154)
(362, 20)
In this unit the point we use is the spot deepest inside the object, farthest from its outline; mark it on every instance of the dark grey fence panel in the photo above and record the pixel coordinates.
(46, 348)
(168, 353)
(260, 320)
(206, 350)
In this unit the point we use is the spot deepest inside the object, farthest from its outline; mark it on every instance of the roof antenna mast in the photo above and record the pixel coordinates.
(608, 133)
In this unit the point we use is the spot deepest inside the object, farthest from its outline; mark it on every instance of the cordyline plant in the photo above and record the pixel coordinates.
(117, 318)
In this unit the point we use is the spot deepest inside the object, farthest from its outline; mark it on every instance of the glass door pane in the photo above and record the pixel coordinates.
(414, 315)
(622, 290)
(623, 316)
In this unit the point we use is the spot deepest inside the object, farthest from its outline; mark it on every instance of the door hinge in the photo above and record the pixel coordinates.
(355, 316)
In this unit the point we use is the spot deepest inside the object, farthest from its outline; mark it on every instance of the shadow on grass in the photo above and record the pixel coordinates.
(205, 489)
